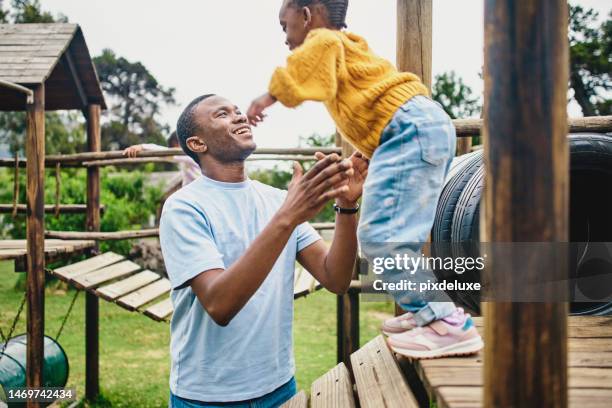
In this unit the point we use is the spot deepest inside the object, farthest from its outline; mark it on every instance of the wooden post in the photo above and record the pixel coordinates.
(35, 225)
(414, 25)
(414, 49)
(526, 197)
(92, 386)
(347, 305)
(464, 145)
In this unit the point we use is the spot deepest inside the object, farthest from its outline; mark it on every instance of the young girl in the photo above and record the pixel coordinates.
(387, 116)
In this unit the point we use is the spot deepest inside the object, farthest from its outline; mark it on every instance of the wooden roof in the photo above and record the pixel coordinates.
(53, 54)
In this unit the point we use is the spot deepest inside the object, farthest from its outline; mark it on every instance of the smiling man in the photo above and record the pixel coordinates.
(230, 246)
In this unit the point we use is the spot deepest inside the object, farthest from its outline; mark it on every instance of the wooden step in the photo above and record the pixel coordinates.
(300, 400)
(100, 276)
(379, 381)
(71, 271)
(304, 283)
(125, 286)
(160, 311)
(144, 295)
(333, 389)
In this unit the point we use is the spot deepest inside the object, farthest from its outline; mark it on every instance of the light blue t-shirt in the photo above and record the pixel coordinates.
(208, 225)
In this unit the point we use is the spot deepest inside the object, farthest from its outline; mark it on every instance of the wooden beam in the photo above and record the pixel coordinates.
(592, 124)
(69, 65)
(142, 233)
(92, 375)
(103, 236)
(91, 156)
(414, 47)
(414, 37)
(347, 305)
(35, 224)
(49, 208)
(526, 200)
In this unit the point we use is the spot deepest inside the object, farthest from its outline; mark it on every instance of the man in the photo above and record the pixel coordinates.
(230, 246)
(189, 169)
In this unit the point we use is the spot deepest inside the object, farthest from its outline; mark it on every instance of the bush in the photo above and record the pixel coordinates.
(129, 203)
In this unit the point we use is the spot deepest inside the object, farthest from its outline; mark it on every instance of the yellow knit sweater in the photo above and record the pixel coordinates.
(361, 91)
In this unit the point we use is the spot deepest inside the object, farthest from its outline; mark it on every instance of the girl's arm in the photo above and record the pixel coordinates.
(133, 151)
(310, 75)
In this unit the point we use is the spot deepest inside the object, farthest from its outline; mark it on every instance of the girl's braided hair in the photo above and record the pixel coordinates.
(336, 9)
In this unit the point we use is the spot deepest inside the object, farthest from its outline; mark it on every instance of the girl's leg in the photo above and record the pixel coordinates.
(405, 180)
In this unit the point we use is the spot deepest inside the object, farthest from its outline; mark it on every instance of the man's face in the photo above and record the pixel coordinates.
(224, 130)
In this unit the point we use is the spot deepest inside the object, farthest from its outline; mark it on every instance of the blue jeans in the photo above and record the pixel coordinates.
(401, 194)
(273, 399)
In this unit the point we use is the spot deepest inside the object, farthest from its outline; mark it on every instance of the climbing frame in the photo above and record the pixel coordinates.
(115, 279)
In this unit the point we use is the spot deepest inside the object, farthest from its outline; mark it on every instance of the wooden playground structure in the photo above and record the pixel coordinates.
(534, 354)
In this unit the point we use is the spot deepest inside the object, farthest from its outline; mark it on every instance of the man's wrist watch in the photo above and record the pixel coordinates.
(341, 210)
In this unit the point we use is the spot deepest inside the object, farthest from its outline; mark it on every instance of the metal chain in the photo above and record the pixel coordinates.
(13, 325)
(59, 332)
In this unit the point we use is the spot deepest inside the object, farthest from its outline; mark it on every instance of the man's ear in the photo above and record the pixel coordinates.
(197, 145)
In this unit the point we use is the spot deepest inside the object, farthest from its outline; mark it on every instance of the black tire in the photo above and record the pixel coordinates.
(458, 176)
(590, 218)
(465, 233)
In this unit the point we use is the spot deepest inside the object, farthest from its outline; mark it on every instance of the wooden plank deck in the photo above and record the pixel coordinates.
(378, 377)
(457, 382)
(15, 249)
(115, 279)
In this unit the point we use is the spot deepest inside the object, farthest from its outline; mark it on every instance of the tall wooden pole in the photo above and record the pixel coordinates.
(526, 198)
(414, 37)
(414, 45)
(35, 225)
(92, 387)
(347, 305)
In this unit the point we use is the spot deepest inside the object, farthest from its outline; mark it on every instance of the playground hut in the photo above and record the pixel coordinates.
(46, 67)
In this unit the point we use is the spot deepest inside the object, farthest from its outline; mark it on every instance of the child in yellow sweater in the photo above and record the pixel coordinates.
(410, 141)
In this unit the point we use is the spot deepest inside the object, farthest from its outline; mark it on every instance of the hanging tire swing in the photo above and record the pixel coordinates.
(13, 354)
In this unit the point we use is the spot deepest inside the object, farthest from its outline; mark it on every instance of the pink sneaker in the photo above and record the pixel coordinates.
(399, 324)
(453, 336)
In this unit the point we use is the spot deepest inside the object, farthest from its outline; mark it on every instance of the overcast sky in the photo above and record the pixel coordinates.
(231, 47)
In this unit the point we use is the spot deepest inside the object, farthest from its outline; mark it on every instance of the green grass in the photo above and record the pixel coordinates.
(134, 357)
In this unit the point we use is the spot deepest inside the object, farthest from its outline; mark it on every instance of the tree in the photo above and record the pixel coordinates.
(136, 99)
(28, 11)
(590, 60)
(3, 14)
(455, 96)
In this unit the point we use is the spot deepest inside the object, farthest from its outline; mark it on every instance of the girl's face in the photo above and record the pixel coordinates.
(295, 22)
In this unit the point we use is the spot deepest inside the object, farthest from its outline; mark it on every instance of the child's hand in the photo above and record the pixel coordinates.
(133, 151)
(257, 108)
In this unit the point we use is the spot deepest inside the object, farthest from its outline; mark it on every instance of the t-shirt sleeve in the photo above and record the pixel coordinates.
(306, 236)
(152, 147)
(187, 243)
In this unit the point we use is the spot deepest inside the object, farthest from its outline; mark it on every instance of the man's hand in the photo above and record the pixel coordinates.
(348, 199)
(308, 193)
(133, 151)
(257, 108)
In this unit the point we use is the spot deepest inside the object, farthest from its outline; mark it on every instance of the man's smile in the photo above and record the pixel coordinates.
(243, 130)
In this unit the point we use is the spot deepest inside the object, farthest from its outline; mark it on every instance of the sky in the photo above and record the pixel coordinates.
(231, 47)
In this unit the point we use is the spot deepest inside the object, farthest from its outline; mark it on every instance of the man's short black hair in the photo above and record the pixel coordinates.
(187, 126)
